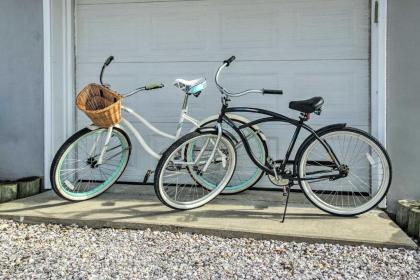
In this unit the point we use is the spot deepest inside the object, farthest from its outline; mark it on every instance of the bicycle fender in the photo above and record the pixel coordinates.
(235, 117)
(95, 127)
(331, 127)
(214, 129)
(92, 127)
(206, 129)
(311, 137)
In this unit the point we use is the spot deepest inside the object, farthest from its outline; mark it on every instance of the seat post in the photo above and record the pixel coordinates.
(185, 103)
(304, 117)
(291, 146)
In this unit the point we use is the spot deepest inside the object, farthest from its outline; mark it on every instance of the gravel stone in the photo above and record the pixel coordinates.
(71, 252)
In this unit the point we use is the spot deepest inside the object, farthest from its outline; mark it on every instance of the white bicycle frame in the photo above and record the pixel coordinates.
(128, 125)
(183, 116)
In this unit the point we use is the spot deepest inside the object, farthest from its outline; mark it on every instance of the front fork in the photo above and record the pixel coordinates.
(225, 101)
(105, 147)
(219, 136)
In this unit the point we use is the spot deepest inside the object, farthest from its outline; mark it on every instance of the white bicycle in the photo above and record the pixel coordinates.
(93, 159)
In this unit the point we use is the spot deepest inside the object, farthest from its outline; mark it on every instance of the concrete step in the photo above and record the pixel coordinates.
(255, 214)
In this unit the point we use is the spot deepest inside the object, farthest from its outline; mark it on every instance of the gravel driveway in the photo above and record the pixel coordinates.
(60, 252)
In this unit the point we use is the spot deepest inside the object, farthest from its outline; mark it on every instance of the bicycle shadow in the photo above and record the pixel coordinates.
(143, 206)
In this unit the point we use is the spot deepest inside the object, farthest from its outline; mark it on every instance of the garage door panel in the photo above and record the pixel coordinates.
(249, 29)
(208, 30)
(323, 25)
(178, 30)
(108, 33)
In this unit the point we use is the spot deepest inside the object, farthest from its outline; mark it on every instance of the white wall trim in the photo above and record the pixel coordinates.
(69, 79)
(47, 90)
(59, 77)
(378, 70)
(382, 68)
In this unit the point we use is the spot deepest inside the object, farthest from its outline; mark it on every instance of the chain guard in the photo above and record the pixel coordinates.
(278, 182)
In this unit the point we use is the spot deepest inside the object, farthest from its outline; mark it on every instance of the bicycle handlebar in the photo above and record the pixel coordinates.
(229, 60)
(146, 87)
(106, 63)
(109, 60)
(271, 91)
(226, 63)
(153, 86)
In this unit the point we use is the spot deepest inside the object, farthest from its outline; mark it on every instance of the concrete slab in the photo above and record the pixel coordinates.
(255, 214)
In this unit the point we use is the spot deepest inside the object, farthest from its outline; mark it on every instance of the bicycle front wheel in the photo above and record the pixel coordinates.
(210, 160)
(364, 165)
(76, 173)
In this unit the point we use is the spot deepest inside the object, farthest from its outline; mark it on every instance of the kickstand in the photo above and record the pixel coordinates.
(286, 192)
(146, 177)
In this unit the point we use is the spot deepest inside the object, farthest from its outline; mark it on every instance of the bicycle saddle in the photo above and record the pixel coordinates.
(194, 87)
(307, 106)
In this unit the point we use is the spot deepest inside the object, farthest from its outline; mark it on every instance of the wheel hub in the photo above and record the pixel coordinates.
(92, 162)
(344, 170)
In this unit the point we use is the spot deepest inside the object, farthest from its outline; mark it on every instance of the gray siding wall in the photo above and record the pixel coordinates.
(403, 100)
(21, 88)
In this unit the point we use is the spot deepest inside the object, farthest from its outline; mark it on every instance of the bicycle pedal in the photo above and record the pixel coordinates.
(147, 175)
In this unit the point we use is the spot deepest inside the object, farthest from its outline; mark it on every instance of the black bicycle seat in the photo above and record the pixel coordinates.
(307, 106)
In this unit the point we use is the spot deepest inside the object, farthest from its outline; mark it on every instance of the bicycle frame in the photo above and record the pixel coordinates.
(275, 117)
(127, 124)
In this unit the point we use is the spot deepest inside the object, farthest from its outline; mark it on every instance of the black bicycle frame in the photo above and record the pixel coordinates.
(275, 117)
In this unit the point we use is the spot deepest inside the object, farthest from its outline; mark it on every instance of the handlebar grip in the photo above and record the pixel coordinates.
(229, 61)
(153, 86)
(272, 91)
(109, 60)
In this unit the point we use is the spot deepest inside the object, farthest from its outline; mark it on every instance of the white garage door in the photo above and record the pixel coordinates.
(305, 47)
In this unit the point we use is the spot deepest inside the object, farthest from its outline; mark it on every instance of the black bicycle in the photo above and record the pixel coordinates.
(341, 170)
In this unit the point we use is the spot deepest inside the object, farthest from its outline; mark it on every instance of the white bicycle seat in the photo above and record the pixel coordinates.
(191, 86)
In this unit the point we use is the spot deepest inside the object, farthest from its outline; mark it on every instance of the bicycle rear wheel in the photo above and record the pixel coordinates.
(179, 167)
(362, 158)
(246, 174)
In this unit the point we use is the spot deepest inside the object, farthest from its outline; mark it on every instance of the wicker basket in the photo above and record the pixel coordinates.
(100, 104)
